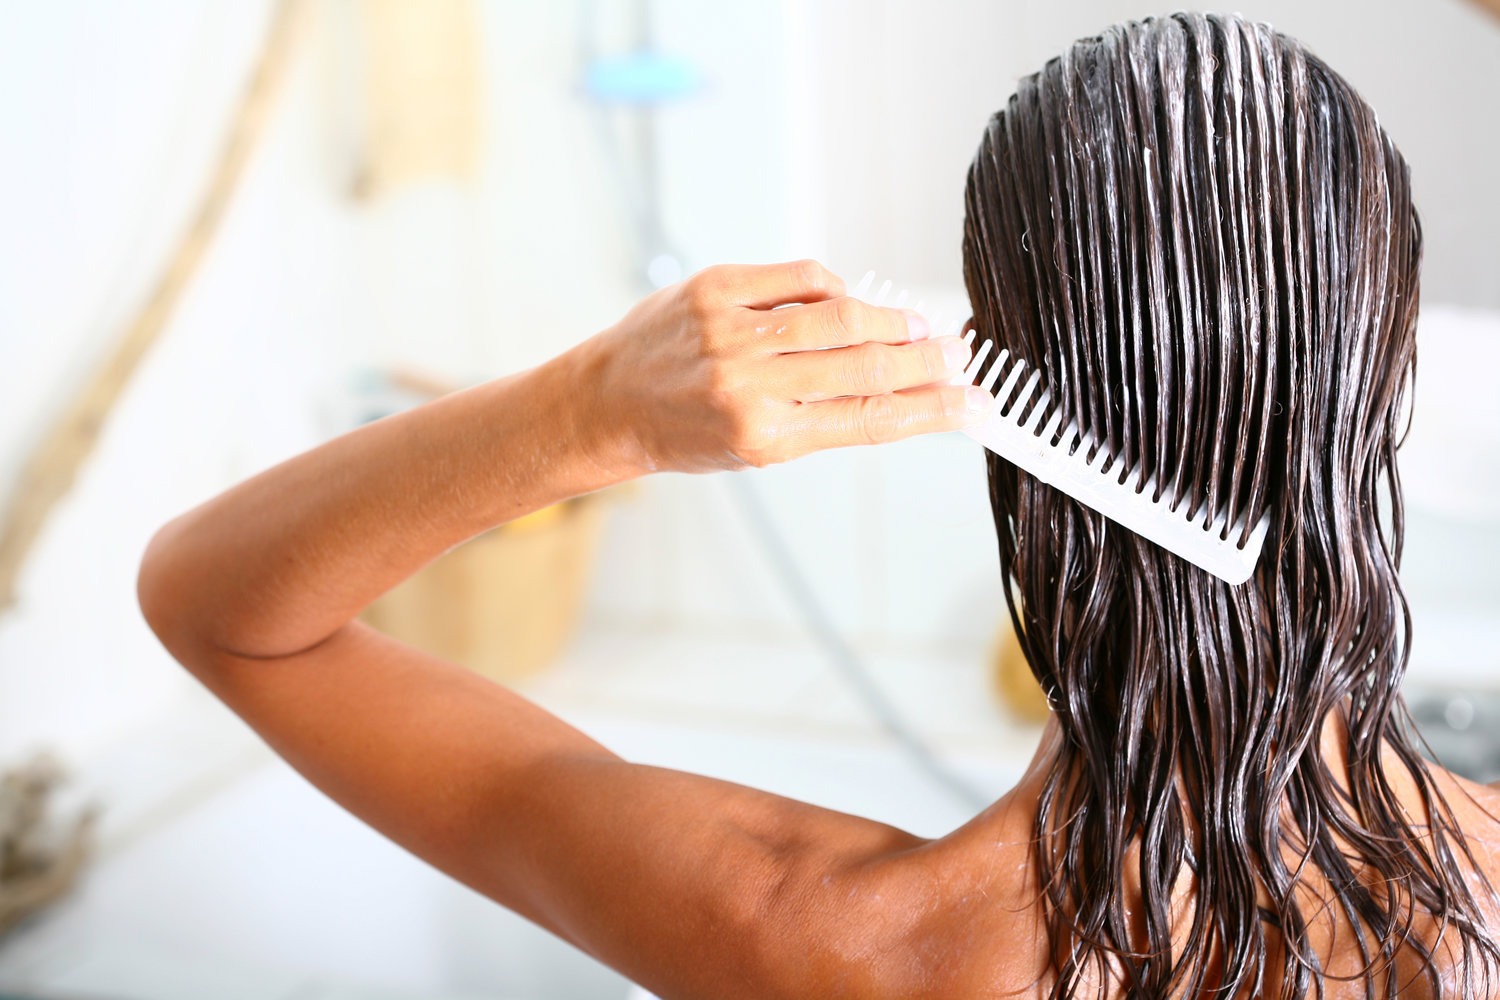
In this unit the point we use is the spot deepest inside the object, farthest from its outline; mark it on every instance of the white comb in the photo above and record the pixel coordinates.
(1023, 431)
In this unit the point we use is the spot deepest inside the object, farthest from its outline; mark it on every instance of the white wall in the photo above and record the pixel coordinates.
(111, 118)
(907, 89)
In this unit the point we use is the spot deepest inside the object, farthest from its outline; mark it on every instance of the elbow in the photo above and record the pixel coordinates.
(186, 603)
(151, 590)
(161, 599)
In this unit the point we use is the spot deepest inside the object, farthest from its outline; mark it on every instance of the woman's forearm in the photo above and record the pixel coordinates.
(281, 561)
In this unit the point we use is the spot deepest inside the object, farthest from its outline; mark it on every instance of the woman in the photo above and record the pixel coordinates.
(1205, 238)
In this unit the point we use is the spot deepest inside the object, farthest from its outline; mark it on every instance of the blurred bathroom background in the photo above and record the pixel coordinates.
(440, 193)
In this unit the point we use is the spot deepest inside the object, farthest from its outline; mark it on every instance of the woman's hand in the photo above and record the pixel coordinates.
(710, 374)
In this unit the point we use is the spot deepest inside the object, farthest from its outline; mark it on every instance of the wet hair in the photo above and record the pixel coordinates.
(1205, 238)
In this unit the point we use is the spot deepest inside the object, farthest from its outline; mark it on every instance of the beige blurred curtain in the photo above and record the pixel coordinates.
(422, 93)
(48, 472)
(421, 112)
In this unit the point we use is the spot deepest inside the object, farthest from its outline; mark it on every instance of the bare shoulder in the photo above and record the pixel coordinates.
(1476, 811)
(969, 902)
(1476, 807)
(968, 905)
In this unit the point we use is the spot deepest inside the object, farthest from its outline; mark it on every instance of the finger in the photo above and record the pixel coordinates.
(868, 369)
(765, 286)
(841, 322)
(837, 423)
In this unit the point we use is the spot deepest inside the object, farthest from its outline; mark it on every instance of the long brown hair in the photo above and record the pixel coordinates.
(1205, 238)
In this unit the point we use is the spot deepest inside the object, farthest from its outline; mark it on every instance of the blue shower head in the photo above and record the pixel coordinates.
(641, 77)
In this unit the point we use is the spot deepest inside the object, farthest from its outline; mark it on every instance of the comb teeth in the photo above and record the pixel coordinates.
(1024, 431)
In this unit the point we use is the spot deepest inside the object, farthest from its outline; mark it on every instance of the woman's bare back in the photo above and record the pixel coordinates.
(974, 897)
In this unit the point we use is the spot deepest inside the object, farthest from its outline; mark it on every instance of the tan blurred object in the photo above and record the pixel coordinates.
(1013, 680)
(505, 603)
(48, 473)
(39, 858)
(1493, 6)
(423, 93)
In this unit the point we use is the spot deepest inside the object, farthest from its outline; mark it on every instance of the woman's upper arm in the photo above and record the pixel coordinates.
(684, 883)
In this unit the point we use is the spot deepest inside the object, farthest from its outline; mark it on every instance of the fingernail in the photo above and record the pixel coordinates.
(977, 402)
(956, 353)
(916, 326)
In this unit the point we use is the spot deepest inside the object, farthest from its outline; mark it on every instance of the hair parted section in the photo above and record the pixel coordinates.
(1206, 240)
